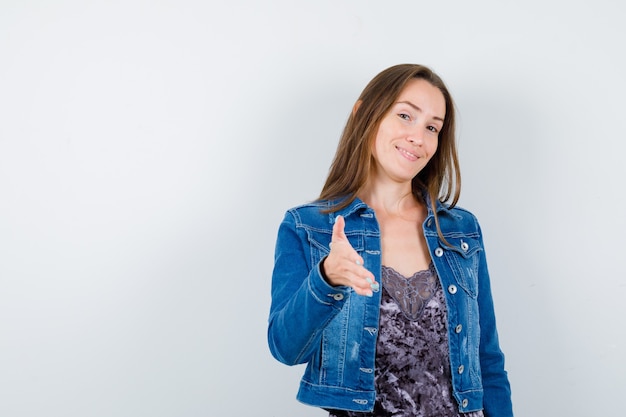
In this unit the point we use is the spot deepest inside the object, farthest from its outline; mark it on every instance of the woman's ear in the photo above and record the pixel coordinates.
(356, 107)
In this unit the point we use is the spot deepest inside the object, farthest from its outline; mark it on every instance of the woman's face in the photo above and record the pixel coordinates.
(408, 134)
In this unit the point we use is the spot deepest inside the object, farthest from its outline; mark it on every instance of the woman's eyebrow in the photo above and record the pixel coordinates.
(418, 109)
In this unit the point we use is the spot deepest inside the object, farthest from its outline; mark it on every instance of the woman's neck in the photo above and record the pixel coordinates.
(392, 199)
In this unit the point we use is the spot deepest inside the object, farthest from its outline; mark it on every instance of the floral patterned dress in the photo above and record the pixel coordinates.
(412, 376)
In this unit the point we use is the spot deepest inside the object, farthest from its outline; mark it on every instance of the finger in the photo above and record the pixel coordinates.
(363, 282)
(338, 230)
(365, 288)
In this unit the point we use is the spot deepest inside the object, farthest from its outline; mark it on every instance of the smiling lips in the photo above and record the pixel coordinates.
(408, 155)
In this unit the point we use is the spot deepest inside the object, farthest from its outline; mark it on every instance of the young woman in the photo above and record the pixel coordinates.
(381, 285)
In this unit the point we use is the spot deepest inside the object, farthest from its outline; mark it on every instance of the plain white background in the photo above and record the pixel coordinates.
(148, 151)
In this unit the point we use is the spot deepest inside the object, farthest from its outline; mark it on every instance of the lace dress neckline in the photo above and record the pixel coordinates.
(410, 293)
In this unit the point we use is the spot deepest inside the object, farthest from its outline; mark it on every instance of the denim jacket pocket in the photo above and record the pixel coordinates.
(320, 245)
(463, 256)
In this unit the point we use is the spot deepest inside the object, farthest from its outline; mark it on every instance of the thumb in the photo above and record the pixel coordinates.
(338, 230)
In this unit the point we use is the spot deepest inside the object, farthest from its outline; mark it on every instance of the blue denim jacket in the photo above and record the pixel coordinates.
(334, 330)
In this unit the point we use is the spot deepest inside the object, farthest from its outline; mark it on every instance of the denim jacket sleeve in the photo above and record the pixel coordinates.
(303, 303)
(496, 387)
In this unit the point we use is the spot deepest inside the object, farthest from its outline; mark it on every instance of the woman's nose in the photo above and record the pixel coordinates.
(416, 137)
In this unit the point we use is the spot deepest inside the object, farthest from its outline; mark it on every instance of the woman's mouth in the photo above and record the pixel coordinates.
(408, 155)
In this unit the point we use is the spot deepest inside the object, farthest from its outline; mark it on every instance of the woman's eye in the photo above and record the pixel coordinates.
(433, 129)
(404, 116)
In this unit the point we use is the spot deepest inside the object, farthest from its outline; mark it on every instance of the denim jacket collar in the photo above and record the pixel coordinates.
(356, 205)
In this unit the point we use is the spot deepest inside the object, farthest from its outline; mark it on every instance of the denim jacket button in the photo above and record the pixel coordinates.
(461, 369)
(438, 252)
(464, 246)
(452, 289)
(464, 403)
(338, 297)
(458, 328)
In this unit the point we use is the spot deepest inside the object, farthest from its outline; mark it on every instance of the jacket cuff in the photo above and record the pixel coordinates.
(323, 291)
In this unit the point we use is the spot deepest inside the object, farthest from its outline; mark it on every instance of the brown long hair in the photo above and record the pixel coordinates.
(440, 179)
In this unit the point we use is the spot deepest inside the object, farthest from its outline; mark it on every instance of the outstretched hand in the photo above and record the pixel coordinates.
(344, 266)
